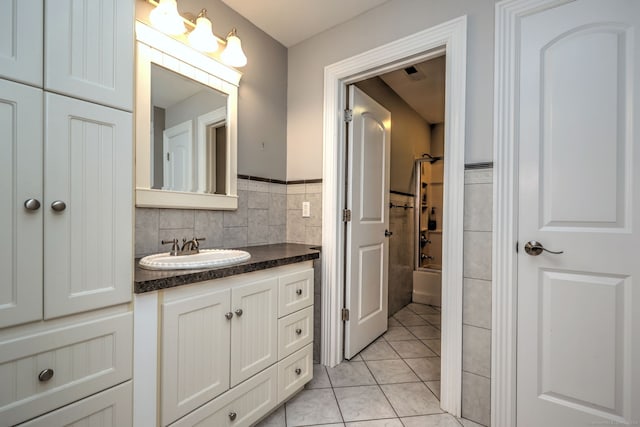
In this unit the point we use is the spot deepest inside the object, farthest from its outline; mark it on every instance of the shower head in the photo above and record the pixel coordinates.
(432, 159)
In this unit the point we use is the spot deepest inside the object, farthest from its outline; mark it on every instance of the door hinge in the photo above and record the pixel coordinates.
(346, 215)
(348, 115)
(168, 157)
(345, 314)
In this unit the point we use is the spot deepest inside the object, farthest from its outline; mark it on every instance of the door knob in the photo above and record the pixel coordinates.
(387, 233)
(298, 291)
(45, 375)
(232, 416)
(228, 315)
(32, 204)
(298, 371)
(58, 206)
(298, 331)
(239, 312)
(535, 248)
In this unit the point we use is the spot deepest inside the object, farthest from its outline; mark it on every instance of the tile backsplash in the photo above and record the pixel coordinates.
(267, 213)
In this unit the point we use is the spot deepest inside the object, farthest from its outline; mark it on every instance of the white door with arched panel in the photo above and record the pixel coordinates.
(367, 253)
(579, 194)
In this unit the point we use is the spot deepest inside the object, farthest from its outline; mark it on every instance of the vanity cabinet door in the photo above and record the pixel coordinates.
(20, 224)
(195, 352)
(89, 50)
(21, 40)
(254, 330)
(88, 254)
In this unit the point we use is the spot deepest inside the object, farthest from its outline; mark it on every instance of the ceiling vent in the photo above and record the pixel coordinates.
(413, 73)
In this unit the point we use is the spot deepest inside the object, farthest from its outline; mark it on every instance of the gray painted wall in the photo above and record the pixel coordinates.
(262, 98)
(386, 23)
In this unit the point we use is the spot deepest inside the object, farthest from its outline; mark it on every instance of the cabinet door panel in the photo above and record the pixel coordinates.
(254, 343)
(88, 253)
(20, 228)
(21, 40)
(89, 50)
(195, 352)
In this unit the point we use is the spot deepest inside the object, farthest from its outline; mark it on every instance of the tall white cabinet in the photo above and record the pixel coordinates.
(66, 218)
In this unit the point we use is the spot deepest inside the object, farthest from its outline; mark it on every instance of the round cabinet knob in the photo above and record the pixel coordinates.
(298, 331)
(298, 291)
(32, 204)
(239, 312)
(232, 416)
(228, 315)
(298, 371)
(45, 375)
(58, 206)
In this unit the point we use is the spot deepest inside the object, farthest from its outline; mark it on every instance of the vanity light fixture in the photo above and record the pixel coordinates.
(165, 17)
(233, 54)
(202, 37)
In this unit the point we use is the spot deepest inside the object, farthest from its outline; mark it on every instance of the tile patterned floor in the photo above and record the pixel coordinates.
(394, 382)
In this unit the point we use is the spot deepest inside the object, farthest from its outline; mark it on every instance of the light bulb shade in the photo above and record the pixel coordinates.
(165, 17)
(202, 37)
(233, 54)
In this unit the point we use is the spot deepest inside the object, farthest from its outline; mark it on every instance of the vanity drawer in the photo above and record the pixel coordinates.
(110, 408)
(294, 332)
(46, 370)
(294, 372)
(295, 291)
(239, 407)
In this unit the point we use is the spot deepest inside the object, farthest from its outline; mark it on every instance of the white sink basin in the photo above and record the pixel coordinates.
(207, 258)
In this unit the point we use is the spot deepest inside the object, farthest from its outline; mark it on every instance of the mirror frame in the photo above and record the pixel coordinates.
(152, 46)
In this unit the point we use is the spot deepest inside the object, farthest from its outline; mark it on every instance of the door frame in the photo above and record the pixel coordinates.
(450, 37)
(505, 207)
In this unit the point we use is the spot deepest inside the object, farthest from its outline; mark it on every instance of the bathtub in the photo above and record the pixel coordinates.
(427, 287)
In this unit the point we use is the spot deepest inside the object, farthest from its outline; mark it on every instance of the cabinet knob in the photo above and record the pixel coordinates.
(239, 312)
(228, 315)
(45, 375)
(58, 206)
(32, 204)
(298, 371)
(298, 331)
(298, 291)
(232, 415)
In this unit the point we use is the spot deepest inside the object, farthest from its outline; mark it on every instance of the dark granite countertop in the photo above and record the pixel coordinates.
(262, 257)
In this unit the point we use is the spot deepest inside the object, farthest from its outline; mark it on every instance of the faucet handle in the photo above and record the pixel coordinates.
(174, 248)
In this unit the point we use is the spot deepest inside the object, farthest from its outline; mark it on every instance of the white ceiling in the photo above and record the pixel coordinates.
(292, 21)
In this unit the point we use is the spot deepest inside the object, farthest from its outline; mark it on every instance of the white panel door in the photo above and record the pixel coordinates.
(195, 352)
(579, 189)
(21, 40)
(88, 255)
(254, 329)
(367, 263)
(89, 50)
(177, 145)
(20, 227)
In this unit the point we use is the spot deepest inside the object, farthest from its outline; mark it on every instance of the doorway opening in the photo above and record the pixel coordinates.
(450, 39)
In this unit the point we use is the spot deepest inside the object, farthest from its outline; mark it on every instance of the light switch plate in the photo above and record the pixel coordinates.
(306, 209)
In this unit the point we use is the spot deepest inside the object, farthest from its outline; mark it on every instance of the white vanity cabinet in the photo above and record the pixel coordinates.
(227, 356)
(67, 245)
(66, 330)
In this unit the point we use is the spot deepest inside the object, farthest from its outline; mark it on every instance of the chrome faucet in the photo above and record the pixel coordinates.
(189, 247)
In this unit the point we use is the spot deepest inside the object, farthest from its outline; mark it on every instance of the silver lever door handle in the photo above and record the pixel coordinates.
(535, 248)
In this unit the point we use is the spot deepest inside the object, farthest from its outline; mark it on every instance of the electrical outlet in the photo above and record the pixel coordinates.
(306, 209)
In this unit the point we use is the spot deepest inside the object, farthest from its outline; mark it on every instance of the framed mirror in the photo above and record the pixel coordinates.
(186, 126)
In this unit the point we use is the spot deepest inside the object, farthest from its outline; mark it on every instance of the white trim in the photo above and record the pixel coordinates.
(505, 197)
(217, 117)
(428, 43)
